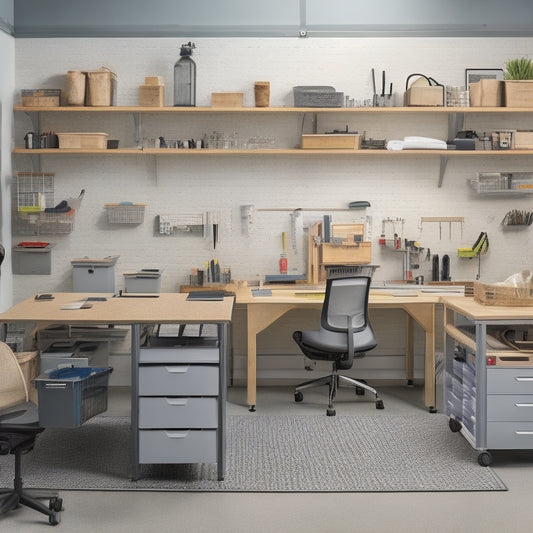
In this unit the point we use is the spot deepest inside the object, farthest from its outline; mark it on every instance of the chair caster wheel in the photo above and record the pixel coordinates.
(298, 396)
(55, 504)
(54, 519)
(379, 404)
(331, 412)
(359, 391)
(484, 459)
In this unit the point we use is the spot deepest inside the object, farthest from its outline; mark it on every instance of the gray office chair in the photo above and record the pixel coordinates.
(19, 427)
(345, 333)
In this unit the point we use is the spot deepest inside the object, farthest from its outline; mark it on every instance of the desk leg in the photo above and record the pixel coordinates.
(259, 317)
(425, 316)
(409, 351)
(135, 353)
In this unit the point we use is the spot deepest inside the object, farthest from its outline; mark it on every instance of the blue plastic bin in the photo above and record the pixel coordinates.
(68, 397)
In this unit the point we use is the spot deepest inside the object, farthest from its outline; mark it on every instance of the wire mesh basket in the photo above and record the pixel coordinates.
(125, 213)
(33, 203)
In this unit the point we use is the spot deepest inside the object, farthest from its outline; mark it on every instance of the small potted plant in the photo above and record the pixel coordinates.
(519, 82)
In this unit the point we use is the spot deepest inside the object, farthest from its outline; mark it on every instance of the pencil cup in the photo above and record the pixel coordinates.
(262, 93)
(383, 100)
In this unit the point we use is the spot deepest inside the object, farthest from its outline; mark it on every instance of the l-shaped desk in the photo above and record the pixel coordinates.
(262, 311)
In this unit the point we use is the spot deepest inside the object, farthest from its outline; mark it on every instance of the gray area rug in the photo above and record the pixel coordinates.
(270, 453)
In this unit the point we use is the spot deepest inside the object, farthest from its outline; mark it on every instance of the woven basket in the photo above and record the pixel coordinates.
(502, 295)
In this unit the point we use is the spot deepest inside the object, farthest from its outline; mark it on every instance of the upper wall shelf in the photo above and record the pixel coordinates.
(454, 115)
(386, 110)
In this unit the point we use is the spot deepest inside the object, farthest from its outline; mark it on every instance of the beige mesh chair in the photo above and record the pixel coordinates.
(19, 427)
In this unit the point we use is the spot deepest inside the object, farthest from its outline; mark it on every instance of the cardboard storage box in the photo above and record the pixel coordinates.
(518, 93)
(346, 254)
(523, 140)
(331, 142)
(83, 141)
(152, 93)
(424, 96)
(486, 93)
(226, 99)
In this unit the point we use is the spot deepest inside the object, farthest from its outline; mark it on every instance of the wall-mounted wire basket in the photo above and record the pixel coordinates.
(125, 213)
(34, 211)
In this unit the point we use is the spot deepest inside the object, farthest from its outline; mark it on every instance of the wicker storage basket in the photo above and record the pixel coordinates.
(501, 295)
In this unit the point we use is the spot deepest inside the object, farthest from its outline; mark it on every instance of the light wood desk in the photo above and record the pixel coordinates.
(136, 310)
(262, 311)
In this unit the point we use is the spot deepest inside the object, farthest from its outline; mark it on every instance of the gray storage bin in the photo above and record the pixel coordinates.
(146, 280)
(94, 275)
(70, 396)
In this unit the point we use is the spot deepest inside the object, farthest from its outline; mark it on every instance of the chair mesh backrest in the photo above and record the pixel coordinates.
(346, 297)
(13, 388)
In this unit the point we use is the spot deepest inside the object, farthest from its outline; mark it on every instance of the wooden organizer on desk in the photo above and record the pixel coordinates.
(351, 250)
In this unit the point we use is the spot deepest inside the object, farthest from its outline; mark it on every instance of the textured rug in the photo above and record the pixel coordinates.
(270, 453)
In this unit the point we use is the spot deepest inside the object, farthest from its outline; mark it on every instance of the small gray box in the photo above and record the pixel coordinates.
(33, 261)
(94, 275)
(145, 280)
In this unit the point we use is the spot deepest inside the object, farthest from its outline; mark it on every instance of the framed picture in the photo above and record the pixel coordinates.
(472, 75)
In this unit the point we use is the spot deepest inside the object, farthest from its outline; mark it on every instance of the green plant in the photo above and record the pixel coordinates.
(519, 69)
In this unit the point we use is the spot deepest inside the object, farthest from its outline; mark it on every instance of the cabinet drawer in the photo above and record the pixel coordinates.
(510, 407)
(178, 380)
(178, 413)
(180, 354)
(510, 380)
(175, 446)
(510, 435)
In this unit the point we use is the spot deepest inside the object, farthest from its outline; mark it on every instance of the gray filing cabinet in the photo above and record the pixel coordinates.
(178, 413)
(488, 392)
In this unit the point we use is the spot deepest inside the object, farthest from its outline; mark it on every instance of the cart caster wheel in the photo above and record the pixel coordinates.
(55, 504)
(484, 459)
(454, 425)
(298, 396)
(359, 391)
(54, 519)
(251, 408)
(331, 412)
(432, 409)
(379, 404)
(410, 383)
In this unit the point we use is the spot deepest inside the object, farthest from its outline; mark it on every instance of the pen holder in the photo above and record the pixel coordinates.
(383, 100)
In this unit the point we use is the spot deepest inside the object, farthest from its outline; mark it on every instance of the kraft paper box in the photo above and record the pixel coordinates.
(486, 93)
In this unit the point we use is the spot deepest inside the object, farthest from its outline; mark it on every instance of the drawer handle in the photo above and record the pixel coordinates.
(174, 435)
(177, 369)
(524, 378)
(524, 432)
(524, 404)
(176, 401)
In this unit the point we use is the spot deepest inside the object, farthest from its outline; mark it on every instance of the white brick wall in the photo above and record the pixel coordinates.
(405, 188)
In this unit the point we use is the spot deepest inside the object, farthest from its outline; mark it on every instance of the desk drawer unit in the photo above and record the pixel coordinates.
(180, 404)
(180, 354)
(510, 408)
(177, 446)
(178, 380)
(178, 412)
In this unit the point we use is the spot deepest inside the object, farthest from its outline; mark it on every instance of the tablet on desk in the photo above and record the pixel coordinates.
(209, 296)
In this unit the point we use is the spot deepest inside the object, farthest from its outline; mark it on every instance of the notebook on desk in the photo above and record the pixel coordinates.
(198, 296)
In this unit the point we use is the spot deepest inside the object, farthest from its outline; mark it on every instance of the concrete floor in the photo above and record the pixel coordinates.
(131, 512)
